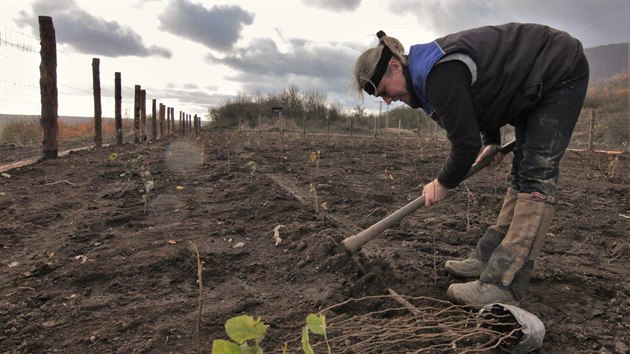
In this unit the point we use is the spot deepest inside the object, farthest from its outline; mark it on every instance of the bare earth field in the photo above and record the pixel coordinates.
(83, 269)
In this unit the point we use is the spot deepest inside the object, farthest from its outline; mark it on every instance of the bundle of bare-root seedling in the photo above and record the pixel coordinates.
(402, 324)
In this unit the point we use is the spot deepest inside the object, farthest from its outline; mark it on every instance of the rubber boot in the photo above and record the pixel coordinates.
(511, 265)
(473, 267)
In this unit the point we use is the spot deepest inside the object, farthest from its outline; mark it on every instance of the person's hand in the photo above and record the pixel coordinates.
(433, 193)
(488, 150)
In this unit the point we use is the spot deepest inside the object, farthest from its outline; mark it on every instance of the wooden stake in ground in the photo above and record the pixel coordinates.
(143, 114)
(48, 87)
(154, 121)
(118, 109)
(162, 132)
(136, 114)
(98, 125)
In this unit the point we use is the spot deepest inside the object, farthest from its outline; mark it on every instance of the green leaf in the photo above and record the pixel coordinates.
(246, 349)
(220, 346)
(306, 346)
(316, 324)
(243, 328)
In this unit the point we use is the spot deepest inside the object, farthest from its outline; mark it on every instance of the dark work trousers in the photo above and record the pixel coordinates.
(544, 134)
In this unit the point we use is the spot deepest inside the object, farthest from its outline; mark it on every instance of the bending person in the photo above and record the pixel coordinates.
(472, 83)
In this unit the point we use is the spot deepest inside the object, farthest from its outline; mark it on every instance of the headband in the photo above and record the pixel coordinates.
(381, 67)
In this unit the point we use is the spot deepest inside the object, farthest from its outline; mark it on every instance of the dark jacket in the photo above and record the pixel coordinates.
(514, 66)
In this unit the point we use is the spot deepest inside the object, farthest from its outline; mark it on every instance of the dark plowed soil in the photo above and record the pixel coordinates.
(83, 268)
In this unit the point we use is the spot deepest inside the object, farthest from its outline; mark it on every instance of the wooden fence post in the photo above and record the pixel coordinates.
(98, 113)
(172, 121)
(304, 124)
(591, 125)
(143, 114)
(162, 121)
(154, 120)
(167, 122)
(375, 125)
(118, 109)
(48, 87)
(136, 115)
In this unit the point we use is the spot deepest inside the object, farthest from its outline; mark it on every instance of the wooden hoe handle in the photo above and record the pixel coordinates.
(354, 243)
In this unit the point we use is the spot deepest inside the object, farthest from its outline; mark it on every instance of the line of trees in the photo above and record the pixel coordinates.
(305, 107)
(250, 109)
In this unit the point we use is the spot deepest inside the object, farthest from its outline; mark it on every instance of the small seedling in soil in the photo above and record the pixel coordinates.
(314, 157)
(141, 167)
(387, 177)
(251, 165)
(314, 324)
(613, 164)
(246, 334)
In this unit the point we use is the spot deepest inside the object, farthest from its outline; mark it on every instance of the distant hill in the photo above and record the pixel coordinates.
(607, 60)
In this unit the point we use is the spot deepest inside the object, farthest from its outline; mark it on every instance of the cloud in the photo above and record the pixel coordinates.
(589, 21)
(197, 99)
(89, 34)
(447, 17)
(263, 68)
(338, 5)
(218, 28)
(303, 58)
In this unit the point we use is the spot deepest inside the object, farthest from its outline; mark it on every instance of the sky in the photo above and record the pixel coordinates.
(194, 55)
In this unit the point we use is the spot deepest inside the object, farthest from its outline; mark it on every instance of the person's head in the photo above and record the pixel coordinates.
(379, 71)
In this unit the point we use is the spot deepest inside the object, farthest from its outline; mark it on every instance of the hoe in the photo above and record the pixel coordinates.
(354, 243)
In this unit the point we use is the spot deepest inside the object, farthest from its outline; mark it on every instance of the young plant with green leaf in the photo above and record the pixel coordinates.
(315, 324)
(246, 332)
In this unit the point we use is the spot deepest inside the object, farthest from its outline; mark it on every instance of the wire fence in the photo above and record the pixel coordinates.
(20, 109)
(593, 131)
(22, 123)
